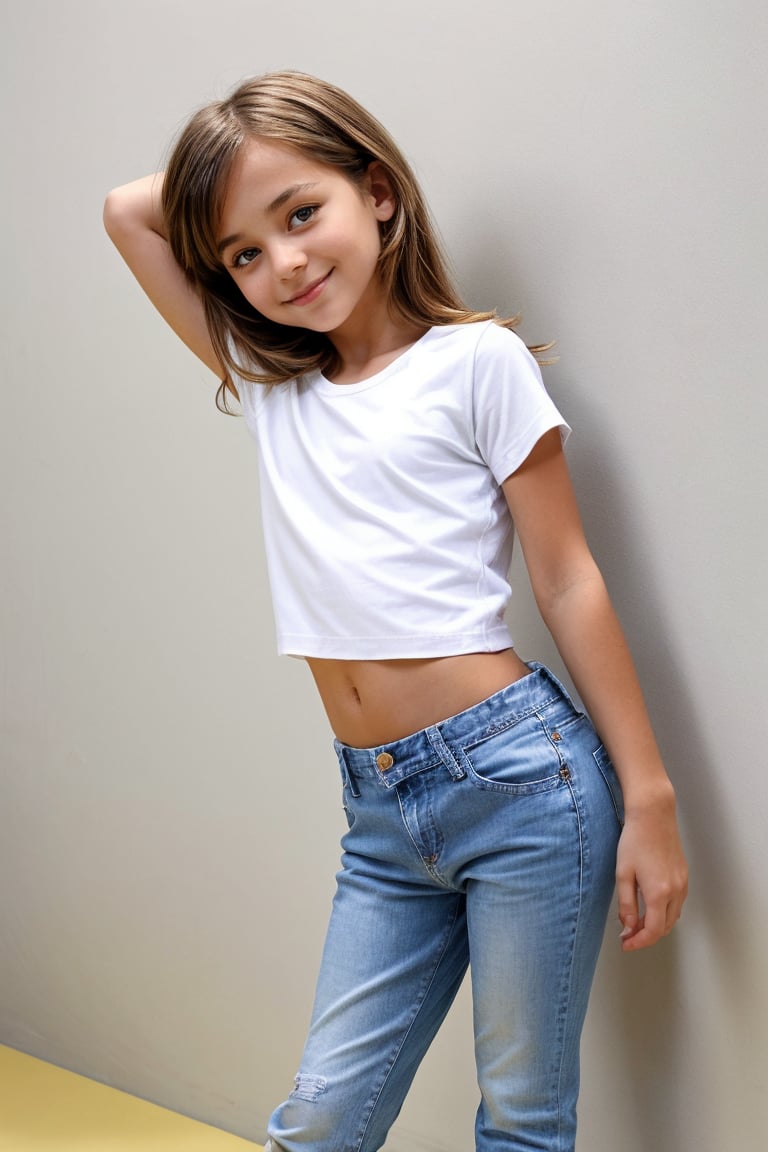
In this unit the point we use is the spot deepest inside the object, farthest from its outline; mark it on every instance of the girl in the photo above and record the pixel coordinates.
(400, 437)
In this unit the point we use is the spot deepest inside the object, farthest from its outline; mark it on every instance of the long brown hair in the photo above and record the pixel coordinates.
(327, 124)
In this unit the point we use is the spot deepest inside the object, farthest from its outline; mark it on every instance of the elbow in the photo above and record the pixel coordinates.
(125, 211)
(112, 213)
(581, 590)
(135, 208)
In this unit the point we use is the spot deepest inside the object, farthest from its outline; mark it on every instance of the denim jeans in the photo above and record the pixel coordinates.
(486, 840)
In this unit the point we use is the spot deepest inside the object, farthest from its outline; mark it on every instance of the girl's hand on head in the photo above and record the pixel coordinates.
(651, 874)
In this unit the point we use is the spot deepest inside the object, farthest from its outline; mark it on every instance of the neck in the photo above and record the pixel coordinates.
(369, 350)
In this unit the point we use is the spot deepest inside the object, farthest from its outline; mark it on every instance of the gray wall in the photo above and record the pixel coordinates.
(169, 795)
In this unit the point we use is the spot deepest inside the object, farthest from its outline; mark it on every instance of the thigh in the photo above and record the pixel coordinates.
(394, 957)
(536, 911)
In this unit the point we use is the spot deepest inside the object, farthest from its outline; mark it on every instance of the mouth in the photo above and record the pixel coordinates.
(311, 292)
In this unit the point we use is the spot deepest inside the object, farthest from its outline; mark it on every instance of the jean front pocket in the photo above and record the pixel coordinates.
(517, 761)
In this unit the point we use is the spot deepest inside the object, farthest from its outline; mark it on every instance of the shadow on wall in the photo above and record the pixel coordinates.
(660, 1021)
(664, 1032)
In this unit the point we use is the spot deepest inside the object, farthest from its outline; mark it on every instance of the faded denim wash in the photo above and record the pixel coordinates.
(488, 839)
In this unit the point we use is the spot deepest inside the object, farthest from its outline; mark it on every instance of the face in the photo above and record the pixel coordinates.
(301, 240)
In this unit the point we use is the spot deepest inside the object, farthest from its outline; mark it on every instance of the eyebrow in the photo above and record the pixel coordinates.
(278, 202)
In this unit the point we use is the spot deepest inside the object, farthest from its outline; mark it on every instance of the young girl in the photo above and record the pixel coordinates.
(400, 437)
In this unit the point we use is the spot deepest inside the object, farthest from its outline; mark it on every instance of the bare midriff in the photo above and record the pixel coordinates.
(373, 702)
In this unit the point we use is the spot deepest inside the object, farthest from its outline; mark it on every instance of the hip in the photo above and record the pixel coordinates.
(522, 772)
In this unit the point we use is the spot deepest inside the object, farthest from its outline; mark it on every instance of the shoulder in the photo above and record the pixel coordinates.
(485, 343)
(266, 402)
(452, 350)
(497, 345)
(504, 369)
(512, 408)
(254, 395)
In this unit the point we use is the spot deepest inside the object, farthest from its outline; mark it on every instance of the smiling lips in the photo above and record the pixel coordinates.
(307, 295)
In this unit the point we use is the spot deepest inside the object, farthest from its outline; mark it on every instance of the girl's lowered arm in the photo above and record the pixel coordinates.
(575, 606)
(133, 219)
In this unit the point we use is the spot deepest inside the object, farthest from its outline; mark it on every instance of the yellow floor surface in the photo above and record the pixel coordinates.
(47, 1109)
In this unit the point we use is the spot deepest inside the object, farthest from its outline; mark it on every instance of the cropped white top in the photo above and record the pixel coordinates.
(387, 533)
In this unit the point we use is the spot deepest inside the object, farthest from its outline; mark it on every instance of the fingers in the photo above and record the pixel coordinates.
(629, 910)
(661, 913)
(651, 882)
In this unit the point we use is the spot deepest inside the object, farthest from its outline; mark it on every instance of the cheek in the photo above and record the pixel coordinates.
(254, 291)
(363, 243)
(253, 284)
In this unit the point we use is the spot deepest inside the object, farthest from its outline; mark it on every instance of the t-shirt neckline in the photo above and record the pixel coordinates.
(326, 387)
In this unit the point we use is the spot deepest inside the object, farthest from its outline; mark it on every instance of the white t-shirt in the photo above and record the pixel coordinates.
(387, 533)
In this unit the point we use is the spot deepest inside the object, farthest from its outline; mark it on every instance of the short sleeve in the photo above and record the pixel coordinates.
(511, 407)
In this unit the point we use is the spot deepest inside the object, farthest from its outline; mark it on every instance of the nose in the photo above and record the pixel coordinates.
(287, 259)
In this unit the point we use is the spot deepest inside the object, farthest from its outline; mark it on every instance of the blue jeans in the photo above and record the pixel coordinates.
(490, 840)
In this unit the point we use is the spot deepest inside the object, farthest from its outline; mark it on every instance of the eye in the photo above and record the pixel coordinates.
(302, 215)
(243, 259)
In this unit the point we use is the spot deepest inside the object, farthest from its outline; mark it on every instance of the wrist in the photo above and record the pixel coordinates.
(650, 796)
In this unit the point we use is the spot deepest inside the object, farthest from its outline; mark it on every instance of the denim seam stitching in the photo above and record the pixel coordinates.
(524, 788)
(567, 983)
(430, 868)
(510, 721)
(446, 753)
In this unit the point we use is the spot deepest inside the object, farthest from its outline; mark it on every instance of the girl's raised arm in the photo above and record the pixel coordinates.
(133, 219)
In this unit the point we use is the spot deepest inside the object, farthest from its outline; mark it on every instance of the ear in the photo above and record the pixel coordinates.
(378, 185)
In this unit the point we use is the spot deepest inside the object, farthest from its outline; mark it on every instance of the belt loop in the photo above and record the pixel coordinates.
(348, 778)
(448, 758)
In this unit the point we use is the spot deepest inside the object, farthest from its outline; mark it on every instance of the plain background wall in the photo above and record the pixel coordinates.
(169, 801)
